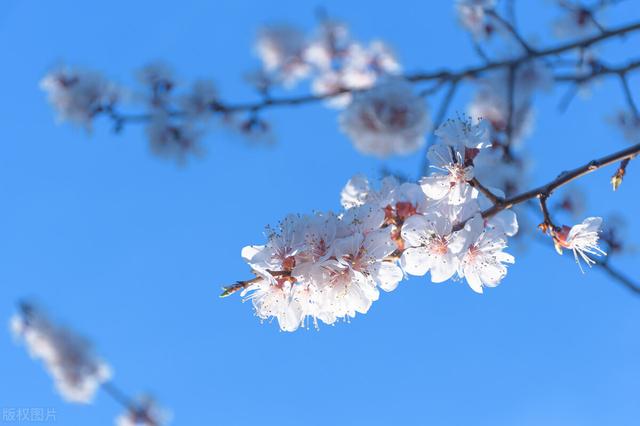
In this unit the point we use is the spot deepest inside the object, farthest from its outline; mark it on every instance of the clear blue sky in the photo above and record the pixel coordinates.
(132, 250)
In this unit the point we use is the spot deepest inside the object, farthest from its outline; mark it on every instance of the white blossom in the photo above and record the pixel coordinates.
(492, 100)
(326, 267)
(197, 103)
(355, 192)
(172, 139)
(483, 258)
(582, 239)
(388, 119)
(432, 247)
(473, 17)
(78, 95)
(281, 49)
(68, 357)
(452, 181)
(575, 22)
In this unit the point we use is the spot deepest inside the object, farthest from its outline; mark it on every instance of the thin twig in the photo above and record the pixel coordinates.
(563, 179)
(441, 114)
(628, 96)
(618, 276)
(444, 75)
(515, 34)
(486, 191)
(119, 396)
(599, 71)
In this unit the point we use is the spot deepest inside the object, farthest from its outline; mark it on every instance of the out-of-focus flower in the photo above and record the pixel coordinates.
(158, 79)
(197, 103)
(68, 357)
(172, 140)
(281, 49)
(146, 412)
(628, 124)
(79, 95)
(388, 119)
(492, 99)
(473, 17)
(576, 21)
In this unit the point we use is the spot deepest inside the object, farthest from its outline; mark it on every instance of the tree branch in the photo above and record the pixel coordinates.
(563, 179)
(442, 112)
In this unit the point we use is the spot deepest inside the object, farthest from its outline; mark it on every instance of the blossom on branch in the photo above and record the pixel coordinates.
(79, 95)
(68, 357)
(473, 17)
(146, 412)
(325, 267)
(582, 239)
(281, 49)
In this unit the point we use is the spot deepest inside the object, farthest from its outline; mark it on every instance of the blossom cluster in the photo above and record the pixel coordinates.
(174, 122)
(328, 266)
(79, 95)
(68, 357)
(330, 57)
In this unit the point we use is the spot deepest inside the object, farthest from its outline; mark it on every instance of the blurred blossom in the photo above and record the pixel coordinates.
(359, 68)
(68, 357)
(173, 140)
(492, 100)
(510, 175)
(145, 413)
(627, 123)
(197, 103)
(78, 95)
(576, 21)
(281, 49)
(572, 200)
(387, 119)
(473, 17)
(159, 79)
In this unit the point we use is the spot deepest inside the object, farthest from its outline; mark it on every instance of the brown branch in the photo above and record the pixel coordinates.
(618, 276)
(628, 96)
(616, 179)
(441, 114)
(484, 190)
(515, 34)
(601, 70)
(613, 273)
(240, 285)
(465, 73)
(547, 224)
(563, 179)
(442, 76)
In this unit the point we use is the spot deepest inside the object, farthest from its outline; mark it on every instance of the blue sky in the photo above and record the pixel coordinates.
(132, 250)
